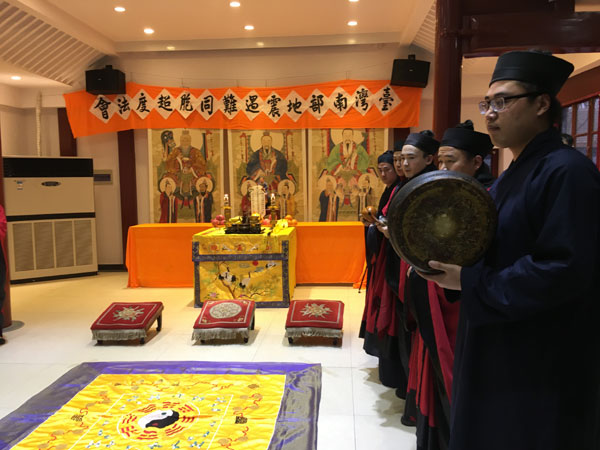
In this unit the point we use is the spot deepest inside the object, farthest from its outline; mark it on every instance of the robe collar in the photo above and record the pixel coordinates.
(516, 173)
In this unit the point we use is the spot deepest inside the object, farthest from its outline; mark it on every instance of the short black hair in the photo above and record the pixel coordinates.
(554, 112)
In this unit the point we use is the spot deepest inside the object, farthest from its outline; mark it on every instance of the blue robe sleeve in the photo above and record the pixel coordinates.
(560, 262)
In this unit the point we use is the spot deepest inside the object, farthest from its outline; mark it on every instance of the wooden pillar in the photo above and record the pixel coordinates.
(66, 141)
(398, 135)
(127, 182)
(448, 60)
(6, 307)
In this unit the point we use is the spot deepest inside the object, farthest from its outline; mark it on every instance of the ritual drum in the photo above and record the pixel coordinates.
(443, 216)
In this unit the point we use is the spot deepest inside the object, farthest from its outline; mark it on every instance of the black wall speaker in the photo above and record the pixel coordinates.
(105, 81)
(410, 72)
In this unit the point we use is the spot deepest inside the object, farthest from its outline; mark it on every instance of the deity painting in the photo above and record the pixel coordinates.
(186, 168)
(343, 170)
(273, 159)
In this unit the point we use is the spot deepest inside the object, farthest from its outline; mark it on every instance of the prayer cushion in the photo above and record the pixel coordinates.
(316, 314)
(127, 320)
(225, 314)
(224, 319)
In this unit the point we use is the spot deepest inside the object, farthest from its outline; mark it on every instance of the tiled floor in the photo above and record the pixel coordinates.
(51, 335)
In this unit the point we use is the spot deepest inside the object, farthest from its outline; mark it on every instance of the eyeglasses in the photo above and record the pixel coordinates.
(499, 103)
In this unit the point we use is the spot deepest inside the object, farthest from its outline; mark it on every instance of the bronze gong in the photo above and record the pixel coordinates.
(443, 216)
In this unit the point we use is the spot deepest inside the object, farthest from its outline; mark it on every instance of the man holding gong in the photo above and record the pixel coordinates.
(526, 372)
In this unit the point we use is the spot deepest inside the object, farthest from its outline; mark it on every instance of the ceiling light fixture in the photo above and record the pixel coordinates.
(352, 23)
(260, 44)
(353, 1)
(170, 47)
(249, 27)
(148, 30)
(15, 77)
(119, 9)
(234, 4)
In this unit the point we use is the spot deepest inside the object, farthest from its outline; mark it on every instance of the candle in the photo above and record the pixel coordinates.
(272, 198)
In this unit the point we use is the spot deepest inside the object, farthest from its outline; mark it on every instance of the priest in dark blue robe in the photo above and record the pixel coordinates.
(527, 360)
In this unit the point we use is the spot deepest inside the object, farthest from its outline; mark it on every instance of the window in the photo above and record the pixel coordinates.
(582, 121)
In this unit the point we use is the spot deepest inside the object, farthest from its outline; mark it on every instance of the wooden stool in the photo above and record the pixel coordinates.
(323, 318)
(123, 321)
(224, 319)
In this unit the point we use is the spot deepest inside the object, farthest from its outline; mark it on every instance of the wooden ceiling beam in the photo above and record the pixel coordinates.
(493, 34)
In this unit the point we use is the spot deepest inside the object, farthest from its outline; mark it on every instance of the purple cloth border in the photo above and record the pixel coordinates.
(295, 429)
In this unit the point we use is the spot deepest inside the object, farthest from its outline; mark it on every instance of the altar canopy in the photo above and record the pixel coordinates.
(337, 104)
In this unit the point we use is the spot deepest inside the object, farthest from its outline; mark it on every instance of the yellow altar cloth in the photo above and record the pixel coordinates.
(258, 267)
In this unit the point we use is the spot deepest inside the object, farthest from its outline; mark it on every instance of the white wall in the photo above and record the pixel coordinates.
(261, 67)
(11, 121)
(103, 148)
(19, 131)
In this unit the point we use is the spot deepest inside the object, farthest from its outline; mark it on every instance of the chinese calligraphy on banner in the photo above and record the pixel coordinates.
(343, 172)
(346, 103)
(186, 174)
(274, 159)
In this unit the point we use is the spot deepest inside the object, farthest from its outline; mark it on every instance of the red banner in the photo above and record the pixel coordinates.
(338, 104)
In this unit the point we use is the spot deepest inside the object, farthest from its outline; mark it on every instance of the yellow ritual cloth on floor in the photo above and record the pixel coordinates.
(151, 411)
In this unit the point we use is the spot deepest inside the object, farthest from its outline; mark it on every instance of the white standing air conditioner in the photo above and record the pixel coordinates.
(49, 205)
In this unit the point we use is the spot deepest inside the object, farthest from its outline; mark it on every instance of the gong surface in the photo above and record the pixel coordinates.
(443, 216)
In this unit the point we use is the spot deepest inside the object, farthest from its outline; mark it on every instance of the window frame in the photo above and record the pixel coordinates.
(593, 102)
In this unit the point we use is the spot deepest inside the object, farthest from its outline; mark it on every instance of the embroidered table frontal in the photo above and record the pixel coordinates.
(258, 267)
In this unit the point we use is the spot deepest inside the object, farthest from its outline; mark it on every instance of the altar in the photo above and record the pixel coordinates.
(158, 255)
(258, 267)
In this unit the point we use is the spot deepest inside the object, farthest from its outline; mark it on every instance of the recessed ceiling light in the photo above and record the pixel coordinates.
(352, 23)
(249, 27)
(351, 41)
(353, 1)
(119, 9)
(234, 4)
(170, 47)
(260, 44)
(148, 30)
(15, 77)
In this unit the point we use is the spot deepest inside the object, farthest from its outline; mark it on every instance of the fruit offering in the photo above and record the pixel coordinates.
(218, 221)
(290, 221)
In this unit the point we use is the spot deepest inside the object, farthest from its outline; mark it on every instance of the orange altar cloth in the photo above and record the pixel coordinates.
(160, 255)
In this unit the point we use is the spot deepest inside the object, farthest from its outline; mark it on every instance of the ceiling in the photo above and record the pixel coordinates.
(50, 43)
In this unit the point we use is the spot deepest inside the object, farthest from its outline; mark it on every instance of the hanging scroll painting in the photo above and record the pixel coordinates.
(343, 172)
(274, 159)
(186, 174)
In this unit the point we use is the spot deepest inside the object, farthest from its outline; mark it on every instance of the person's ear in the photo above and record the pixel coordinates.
(543, 104)
(477, 161)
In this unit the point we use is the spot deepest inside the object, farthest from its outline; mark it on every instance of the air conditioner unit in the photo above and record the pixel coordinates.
(51, 217)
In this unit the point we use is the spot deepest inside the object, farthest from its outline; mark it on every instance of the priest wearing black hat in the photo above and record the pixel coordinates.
(418, 153)
(463, 149)
(415, 157)
(376, 245)
(527, 371)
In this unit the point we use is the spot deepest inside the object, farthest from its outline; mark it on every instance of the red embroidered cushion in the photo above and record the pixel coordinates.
(225, 314)
(128, 315)
(315, 313)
